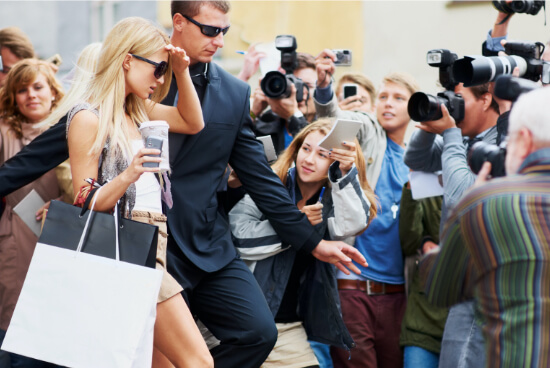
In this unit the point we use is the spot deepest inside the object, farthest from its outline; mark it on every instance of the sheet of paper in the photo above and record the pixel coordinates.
(424, 184)
(272, 59)
(269, 149)
(342, 131)
(26, 210)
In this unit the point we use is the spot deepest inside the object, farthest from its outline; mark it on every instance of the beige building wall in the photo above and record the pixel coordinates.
(384, 36)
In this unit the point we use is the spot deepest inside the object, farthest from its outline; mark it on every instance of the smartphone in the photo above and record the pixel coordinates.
(55, 60)
(156, 143)
(349, 89)
(343, 57)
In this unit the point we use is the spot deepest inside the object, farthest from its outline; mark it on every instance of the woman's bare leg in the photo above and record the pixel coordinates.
(177, 336)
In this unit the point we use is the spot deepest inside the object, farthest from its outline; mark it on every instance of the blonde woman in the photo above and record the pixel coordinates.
(133, 74)
(28, 96)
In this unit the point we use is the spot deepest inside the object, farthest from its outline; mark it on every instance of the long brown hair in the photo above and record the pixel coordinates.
(288, 158)
(21, 75)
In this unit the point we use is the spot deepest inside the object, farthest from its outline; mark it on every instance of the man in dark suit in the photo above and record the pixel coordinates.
(219, 288)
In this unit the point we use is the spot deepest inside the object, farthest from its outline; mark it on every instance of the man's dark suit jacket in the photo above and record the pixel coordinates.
(195, 220)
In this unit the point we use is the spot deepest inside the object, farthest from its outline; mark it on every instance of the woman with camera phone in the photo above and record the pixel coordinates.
(133, 74)
(330, 187)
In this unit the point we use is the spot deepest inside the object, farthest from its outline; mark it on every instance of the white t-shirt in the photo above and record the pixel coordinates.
(148, 191)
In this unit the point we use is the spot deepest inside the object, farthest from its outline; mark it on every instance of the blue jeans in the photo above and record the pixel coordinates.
(12, 360)
(322, 352)
(416, 357)
(462, 345)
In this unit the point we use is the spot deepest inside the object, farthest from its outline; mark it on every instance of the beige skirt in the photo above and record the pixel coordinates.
(169, 286)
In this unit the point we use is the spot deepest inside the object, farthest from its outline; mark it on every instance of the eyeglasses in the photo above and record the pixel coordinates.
(209, 31)
(160, 68)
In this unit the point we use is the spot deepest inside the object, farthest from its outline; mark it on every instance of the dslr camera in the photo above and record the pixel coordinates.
(506, 88)
(519, 6)
(475, 70)
(276, 84)
(425, 107)
(482, 151)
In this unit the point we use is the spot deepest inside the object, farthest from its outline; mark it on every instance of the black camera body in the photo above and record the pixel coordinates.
(496, 155)
(278, 85)
(473, 71)
(425, 107)
(519, 6)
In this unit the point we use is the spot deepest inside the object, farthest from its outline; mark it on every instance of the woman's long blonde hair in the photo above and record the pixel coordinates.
(106, 89)
(22, 74)
(83, 72)
(288, 158)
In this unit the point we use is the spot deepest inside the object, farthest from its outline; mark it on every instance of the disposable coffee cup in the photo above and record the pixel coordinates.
(157, 128)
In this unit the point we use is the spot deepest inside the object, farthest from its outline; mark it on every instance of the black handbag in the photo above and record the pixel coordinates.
(65, 223)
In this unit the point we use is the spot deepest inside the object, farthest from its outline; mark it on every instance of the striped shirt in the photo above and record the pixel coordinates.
(497, 241)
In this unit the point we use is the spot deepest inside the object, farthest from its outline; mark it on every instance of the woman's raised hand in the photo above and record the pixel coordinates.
(135, 168)
(346, 157)
(180, 60)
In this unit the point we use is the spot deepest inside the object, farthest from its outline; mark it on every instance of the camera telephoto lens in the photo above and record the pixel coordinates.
(473, 71)
(424, 107)
(275, 85)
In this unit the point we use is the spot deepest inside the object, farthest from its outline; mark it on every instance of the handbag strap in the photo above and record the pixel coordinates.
(84, 232)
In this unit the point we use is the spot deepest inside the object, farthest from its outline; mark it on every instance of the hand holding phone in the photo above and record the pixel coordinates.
(349, 89)
(155, 143)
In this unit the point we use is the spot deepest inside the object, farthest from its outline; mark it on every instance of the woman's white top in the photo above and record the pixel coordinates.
(148, 191)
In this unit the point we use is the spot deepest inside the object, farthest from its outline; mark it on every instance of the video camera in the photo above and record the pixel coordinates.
(475, 70)
(276, 84)
(425, 107)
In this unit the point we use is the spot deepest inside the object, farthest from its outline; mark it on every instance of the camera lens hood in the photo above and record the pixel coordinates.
(424, 107)
(275, 85)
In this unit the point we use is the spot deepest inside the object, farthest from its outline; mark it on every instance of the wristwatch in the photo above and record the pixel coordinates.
(297, 114)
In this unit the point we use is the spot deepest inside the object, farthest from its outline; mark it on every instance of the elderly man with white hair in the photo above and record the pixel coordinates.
(502, 229)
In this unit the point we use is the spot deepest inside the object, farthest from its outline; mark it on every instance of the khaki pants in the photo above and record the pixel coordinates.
(169, 286)
(292, 349)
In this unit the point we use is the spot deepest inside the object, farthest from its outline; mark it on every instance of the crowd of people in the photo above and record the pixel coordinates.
(324, 258)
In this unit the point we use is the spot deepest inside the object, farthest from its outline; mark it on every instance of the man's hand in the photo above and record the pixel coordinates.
(324, 65)
(284, 107)
(428, 246)
(340, 254)
(251, 63)
(484, 175)
(259, 101)
(314, 213)
(438, 126)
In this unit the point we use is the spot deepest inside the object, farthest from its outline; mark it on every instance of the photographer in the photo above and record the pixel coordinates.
(373, 303)
(364, 96)
(443, 145)
(501, 229)
(286, 116)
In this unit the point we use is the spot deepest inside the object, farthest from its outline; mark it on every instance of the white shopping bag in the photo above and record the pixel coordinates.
(81, 310)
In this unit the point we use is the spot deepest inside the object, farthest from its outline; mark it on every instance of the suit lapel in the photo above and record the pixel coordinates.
(209, 103)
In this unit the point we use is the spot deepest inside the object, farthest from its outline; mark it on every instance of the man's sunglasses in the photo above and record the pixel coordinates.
(160, 68)
(209, 31)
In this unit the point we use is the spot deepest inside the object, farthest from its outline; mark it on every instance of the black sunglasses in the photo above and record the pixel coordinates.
(160, 68)
(209, 31)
